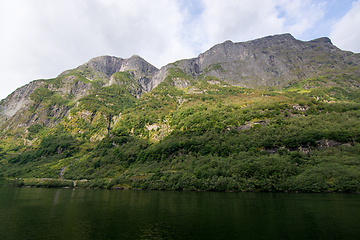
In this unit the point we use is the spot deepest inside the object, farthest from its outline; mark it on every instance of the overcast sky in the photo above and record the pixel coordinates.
(41, 38)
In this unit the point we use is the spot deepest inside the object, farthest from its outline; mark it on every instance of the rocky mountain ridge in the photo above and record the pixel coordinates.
(272, 114)
(270, 61)
(104, 67)
(274, 61)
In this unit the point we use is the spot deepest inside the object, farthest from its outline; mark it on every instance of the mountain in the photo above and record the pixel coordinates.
(18, 110)
(105, 66)
(270, 61)
(274, 61)
(271, 114)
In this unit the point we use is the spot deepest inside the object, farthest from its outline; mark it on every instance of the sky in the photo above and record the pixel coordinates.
(39, 39)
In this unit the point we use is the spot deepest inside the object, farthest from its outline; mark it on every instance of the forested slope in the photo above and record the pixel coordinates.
(190, 132)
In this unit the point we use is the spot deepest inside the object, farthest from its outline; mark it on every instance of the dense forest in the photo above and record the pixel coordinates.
(224, 139)
(187, 133)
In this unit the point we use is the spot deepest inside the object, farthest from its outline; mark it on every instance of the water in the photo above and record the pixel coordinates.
(40, 213)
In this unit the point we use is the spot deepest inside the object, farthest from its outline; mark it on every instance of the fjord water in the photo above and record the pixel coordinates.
(40, 213)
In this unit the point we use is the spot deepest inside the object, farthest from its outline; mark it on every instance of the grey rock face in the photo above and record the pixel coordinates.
(71, 86)
(17, 100)
(106, 66)
(46, 117)
(142, 70)
(270, 61)
(109, 65)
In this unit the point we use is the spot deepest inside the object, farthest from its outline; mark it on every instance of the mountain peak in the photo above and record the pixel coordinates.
(269, 61)
(325, 40)
(272, 61)
(135, 56)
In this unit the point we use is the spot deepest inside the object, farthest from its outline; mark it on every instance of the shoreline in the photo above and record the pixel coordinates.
(182, 190)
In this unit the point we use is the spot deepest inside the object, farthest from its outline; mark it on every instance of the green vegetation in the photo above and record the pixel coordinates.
(124, 78)
(107, 100)
(177, 73)
(206, 136)
(214, 67)
(45, 98)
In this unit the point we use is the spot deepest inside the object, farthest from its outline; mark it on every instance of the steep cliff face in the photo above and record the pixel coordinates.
(103, 67)
(71, 85)
(125, 120)
(270, 61)
(273, 61)
(17, 100)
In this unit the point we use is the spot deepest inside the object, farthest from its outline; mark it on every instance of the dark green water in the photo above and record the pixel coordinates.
(40, 213)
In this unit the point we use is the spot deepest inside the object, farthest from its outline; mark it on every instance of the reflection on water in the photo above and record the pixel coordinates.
(56, 197)
(40, 213)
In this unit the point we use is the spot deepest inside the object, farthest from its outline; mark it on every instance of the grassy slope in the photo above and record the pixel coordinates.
(208, 136)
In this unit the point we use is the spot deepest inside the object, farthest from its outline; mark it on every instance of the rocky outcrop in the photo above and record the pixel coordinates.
(142, 71)
(73, 87)
(104, 67)
(48, 117)
(270, 61)
(278, 60)
(17, 100)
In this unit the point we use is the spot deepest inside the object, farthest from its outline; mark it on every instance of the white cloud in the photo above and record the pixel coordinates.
(249, 19)
(345, 33)
(239, 20)
(301, 15)
(41, 38)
